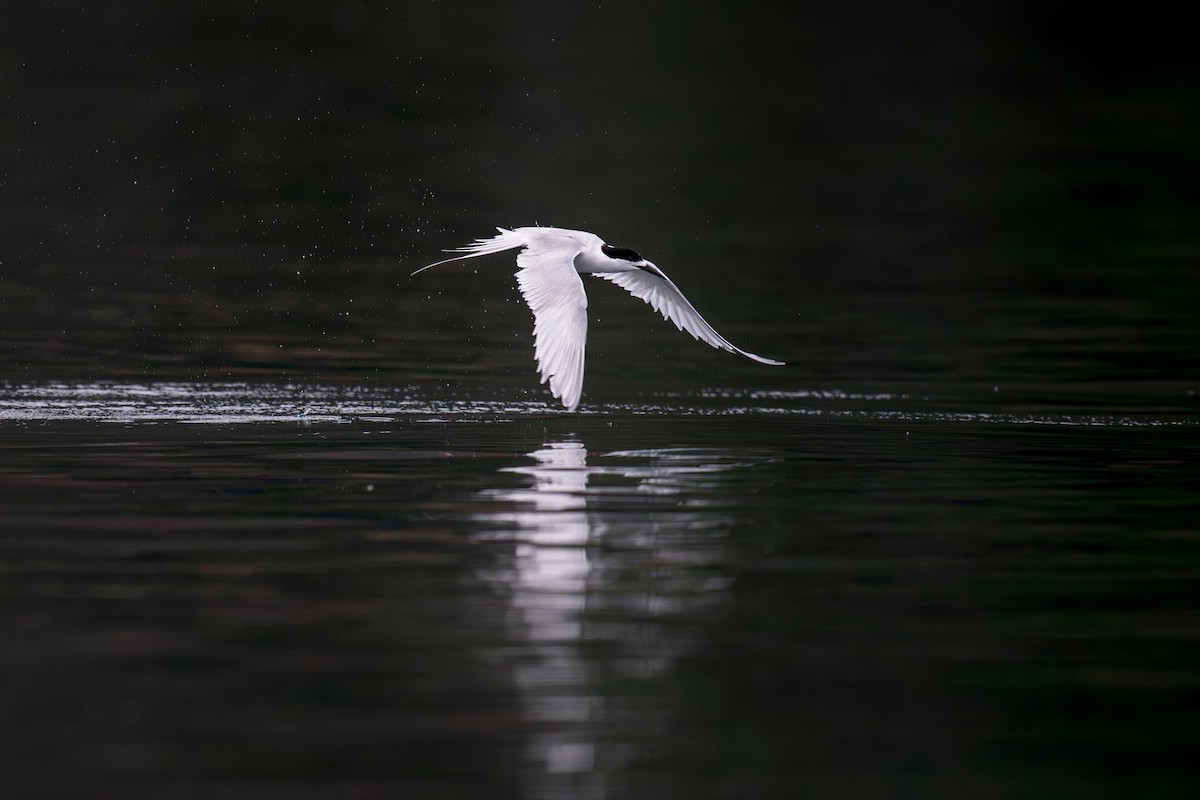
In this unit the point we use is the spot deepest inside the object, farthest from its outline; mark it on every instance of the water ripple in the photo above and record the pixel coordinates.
(241, 403)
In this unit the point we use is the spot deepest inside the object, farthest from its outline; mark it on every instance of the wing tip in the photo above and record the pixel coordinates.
(770, 362)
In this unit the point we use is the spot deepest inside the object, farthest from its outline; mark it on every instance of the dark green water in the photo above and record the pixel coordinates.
(278, 521)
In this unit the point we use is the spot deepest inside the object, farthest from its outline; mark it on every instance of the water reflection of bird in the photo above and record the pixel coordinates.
(549, 267)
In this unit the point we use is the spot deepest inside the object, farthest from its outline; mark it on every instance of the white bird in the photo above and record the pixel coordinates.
(549, 267)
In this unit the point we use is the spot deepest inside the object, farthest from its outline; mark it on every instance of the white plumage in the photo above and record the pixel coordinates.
(549, 267)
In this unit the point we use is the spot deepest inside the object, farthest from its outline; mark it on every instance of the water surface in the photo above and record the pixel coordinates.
(313, 590)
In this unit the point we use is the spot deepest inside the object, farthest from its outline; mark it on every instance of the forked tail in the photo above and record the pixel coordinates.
(505, 240)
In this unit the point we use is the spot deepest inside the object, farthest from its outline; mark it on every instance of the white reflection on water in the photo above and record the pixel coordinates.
(607, 564)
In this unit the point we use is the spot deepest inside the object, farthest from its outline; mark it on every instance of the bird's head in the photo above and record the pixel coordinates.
(626, 259)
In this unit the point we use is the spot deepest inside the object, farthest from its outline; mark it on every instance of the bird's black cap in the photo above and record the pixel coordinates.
(623, 253)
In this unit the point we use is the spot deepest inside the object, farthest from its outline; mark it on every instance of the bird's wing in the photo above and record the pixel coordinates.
(552, 288)
(664, 297)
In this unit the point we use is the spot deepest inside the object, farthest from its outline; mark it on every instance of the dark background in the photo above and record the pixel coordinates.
(174, 176)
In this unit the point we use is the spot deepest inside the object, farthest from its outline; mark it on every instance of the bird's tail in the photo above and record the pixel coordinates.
(505, 240)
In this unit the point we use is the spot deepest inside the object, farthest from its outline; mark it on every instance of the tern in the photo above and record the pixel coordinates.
(549, 265)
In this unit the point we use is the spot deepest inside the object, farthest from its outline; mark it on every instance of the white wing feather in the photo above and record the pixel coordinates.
(554, 292)
(664, 297)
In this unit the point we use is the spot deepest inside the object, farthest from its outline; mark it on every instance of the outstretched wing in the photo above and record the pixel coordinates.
(656, 288)
(552, 288)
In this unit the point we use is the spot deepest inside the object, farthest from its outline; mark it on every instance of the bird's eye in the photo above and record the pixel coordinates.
(623, 253)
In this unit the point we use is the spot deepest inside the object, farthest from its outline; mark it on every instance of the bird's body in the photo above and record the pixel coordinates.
(550, 263)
